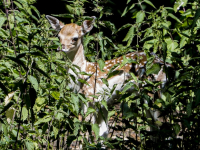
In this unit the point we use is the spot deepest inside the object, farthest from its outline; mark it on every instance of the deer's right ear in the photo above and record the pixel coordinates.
(55, 23)
(88, 25)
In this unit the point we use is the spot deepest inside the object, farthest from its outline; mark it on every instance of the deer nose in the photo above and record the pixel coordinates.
(63, 47)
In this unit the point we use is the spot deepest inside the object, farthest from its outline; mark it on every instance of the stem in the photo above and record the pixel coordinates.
(19, 125)
(6, 10)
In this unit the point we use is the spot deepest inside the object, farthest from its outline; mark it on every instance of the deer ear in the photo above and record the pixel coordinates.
(55, 23)
(88, 25)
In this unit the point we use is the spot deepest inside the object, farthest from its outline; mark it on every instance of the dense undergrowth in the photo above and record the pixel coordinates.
(37, 107)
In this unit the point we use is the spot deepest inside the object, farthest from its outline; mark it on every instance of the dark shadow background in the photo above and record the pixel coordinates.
(49, 7)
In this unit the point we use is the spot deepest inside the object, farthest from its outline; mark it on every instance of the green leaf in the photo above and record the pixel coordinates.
(83, 81)
(95, 128)
(17, 4)
(35, 9)
(179, 3)
(29, 145)
(164, 47)
(177, 128)
(124, 62)
(46, 118)
(60, 114)
(129, 35)
(55, 95)
(110, 113)
(2, 20)
(3, 33)
(24, 113)
(154, 69)
(124, 27)
(128, 1)
(140, 16)
(110, 25)
(89, 111)
(101, 64)
(174, 17)
(82, 97)
(104, 103)
(18, 61)
(7, 107)
(105, 81)
(150, 3)
(172, 46)
(114, 73)
(41, 71)
(111, 43)
(39, 103)
(55, 131)
(75, 101)
(64, 15)
(33, 81)
(134, 77)
(40, 100)
(196, 17)
(127, 9)
(189, 109)
(127, 86)
(24, 2)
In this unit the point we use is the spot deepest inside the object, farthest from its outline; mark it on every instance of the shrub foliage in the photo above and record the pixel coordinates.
(38, 110)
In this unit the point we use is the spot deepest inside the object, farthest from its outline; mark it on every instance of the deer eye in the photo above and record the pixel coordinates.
(75, 39)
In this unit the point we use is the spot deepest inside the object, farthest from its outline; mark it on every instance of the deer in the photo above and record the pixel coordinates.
(71, 40)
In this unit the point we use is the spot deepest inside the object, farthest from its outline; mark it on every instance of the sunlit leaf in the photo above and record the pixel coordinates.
(55, 131)
(55, 95)
(154, 69)
(130, 34)
(124, 27)
(196, 17)
(95, 128)
(140, 16)
(150, 3)
(89, 111)
(75, 101)
(33, 81)
(101, 64)
(174, 17)
(35, 9)
(2, 20)
(29, 145)
(43, 120)
(24, 113)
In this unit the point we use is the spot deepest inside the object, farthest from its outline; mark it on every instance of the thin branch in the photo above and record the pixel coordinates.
(6, 11)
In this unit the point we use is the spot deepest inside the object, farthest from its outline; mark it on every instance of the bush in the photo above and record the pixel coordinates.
(38, 108)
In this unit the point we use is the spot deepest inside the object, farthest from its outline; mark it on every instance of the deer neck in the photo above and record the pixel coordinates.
(77, 57)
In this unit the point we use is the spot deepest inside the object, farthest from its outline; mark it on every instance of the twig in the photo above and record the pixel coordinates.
(6, 10)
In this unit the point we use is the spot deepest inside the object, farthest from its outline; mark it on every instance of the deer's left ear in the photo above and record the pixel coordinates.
(55, 23)
(88, 25)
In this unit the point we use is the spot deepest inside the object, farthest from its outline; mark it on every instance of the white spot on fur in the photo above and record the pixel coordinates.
(140, 65)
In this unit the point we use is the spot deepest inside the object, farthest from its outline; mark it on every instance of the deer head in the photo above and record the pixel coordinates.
(70, 35)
